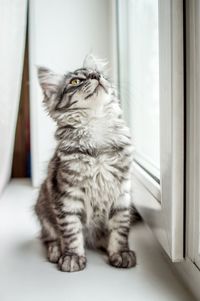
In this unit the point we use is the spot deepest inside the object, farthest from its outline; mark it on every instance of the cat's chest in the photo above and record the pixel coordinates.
(101, 186)
(101, 172)
(100, 178)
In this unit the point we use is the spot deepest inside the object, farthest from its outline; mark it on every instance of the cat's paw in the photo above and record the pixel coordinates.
(53, 252)
(71, 263)
(123, 259)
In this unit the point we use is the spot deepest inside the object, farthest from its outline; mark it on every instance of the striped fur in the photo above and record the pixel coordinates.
(85, 199)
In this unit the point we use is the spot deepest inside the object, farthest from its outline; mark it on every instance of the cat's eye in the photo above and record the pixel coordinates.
(75, 81)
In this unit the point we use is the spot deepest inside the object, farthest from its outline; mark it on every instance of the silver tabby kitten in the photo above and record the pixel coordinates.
(85, 199)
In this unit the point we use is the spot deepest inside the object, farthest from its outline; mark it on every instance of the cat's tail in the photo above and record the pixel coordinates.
(135, 216)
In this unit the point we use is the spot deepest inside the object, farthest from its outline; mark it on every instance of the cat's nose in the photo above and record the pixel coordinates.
(95, 76)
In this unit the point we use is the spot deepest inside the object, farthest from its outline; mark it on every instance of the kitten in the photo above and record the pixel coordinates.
(85, 199)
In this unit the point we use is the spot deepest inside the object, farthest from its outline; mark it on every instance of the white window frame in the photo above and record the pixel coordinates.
(189, 269)
(193, 130)
(162, 206)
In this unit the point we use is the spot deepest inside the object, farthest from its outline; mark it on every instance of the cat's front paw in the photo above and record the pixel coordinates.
(123, 259)
(72, 262)
(53, 252)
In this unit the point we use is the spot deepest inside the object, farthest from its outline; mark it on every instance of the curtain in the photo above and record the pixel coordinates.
(13, 15)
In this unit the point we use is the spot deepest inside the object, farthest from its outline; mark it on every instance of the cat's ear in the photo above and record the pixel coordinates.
(49, 81)
(95, 63)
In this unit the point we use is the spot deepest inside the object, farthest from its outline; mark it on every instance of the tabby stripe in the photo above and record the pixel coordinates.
(114, 211)
(122, 169)
(72, 198)
(91, 93)
(122, 234)
(67, 106)
(66, 127)
(65, 224)
(68, 230)
(64, 214)
(66, 194)
(70, 172)
(124, 222)
(47, 241)
(61, 215)
(86, 84)
(116, 175)
(69, 235)
(123, 228)
(66, 182)
(71, 240)
(71, 151)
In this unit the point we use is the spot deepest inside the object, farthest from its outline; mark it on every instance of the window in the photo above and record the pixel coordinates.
(150, 39)
(142, 77)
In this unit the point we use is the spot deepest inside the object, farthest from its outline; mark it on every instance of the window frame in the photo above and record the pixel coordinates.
(163, 209)
(193, 131)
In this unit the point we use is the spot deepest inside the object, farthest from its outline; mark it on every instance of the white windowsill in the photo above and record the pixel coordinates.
(26, 275)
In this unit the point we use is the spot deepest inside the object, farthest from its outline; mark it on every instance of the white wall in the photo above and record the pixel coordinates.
(61, 33)
(13, 16)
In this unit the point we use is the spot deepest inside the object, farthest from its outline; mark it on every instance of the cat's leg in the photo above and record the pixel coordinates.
(51, 241)
(118, 248)
(72, 242)
(49, 233)
(119, 225)
(70, 216)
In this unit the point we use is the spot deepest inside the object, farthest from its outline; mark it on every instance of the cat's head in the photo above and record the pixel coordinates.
(84, 90)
